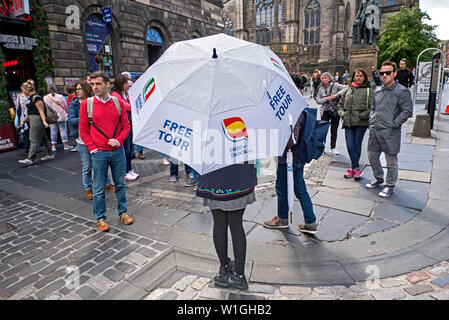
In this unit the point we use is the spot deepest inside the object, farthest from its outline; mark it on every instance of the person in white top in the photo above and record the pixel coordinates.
(58, 103)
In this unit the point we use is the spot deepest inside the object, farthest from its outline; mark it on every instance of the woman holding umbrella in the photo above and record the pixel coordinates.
(227, 192)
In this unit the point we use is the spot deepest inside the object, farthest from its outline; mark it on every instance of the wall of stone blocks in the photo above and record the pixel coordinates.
(176, 20)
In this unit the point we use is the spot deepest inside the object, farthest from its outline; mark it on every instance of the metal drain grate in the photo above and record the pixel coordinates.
(6, 227)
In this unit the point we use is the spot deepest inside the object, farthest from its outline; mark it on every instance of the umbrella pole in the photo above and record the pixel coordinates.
(289, 171)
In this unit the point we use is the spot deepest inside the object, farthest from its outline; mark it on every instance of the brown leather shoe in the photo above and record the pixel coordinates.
(110, 188)
(126, 219)
(89, 194)
(102, 225)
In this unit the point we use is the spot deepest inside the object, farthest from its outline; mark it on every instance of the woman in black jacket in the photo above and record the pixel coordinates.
(227, 192)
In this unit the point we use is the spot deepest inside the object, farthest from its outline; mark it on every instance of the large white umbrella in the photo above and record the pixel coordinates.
(215, 101)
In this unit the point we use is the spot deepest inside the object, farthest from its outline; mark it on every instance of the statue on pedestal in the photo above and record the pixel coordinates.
(366, 27)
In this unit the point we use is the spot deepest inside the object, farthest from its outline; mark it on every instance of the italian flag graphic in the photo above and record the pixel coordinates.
(276, 64)
(149, 89)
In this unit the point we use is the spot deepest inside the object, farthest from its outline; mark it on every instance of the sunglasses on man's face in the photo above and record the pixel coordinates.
(381, 73)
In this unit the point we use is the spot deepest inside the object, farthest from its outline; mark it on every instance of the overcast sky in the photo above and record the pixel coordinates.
(438, 10)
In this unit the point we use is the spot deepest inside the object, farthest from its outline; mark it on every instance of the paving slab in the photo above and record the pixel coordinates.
(353, 205)
(400, 197)
(373, 227)
(269, 210)
(389, 212)
(407, 235)
(414, 176)
(388, 265)
(338, 225)
(424, 141)
(301, 274)
(260, 234)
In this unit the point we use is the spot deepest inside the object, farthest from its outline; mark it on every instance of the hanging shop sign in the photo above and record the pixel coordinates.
(15, 8)
(96, 34)
(107, 15)
(18, 42)
(21, 7)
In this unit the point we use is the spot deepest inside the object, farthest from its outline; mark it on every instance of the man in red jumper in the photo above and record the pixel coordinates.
(103, 135)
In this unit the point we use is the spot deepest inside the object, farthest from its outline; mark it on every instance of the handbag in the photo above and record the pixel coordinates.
(51, 116)
(331, 106)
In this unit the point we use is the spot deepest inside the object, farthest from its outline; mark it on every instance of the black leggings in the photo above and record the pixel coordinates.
(233, 219)
(334, 127)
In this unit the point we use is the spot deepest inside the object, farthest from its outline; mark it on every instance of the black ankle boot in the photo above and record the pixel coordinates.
(238, 281)
(221, 279)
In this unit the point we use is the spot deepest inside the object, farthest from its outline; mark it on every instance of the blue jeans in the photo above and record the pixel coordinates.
(354, 138)
(300, 192)
(86, 169)
(100, 164)
(138, 148)
(174, 170)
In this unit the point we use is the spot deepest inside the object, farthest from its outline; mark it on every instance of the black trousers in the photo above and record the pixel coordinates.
(334, 127)
(233, 220)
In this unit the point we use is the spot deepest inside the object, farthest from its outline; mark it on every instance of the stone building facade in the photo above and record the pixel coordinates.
(309, 34)
(138, 34)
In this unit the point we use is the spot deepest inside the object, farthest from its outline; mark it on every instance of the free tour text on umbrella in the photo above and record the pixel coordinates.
(280, 102)
(175, 134)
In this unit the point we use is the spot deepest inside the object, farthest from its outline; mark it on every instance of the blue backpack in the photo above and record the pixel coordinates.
(313, 137)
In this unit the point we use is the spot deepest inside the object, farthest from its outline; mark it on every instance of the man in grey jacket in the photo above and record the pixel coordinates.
(391, 107)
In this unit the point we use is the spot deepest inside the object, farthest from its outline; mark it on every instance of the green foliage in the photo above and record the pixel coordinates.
(406, 36)
(43, 59)
(5, 116)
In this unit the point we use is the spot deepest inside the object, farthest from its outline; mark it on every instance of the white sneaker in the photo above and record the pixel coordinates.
(28, 162)
(165, 162)
(335, 151)
(67, 148)
(133, 173)
(48, 157)
(130, 177)
(53, 149)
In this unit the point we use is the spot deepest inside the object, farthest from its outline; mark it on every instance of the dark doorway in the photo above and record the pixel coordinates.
(19, 67)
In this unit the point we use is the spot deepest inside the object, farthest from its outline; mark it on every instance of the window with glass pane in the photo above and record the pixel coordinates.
(312, 21)
(265, 20)
(154, 37)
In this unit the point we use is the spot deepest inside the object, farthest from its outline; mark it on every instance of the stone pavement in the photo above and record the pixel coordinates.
(361, 236)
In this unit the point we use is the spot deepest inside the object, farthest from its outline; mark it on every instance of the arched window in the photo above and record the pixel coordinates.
(155, 45)
(154, 37)
(312, 21)
(229, 27)
(265, 12)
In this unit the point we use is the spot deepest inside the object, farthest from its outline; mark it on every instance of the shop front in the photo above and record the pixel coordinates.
(17, 46)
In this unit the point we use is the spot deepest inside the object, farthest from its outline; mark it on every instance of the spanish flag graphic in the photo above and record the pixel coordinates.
(149, 89)
(235, 128)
